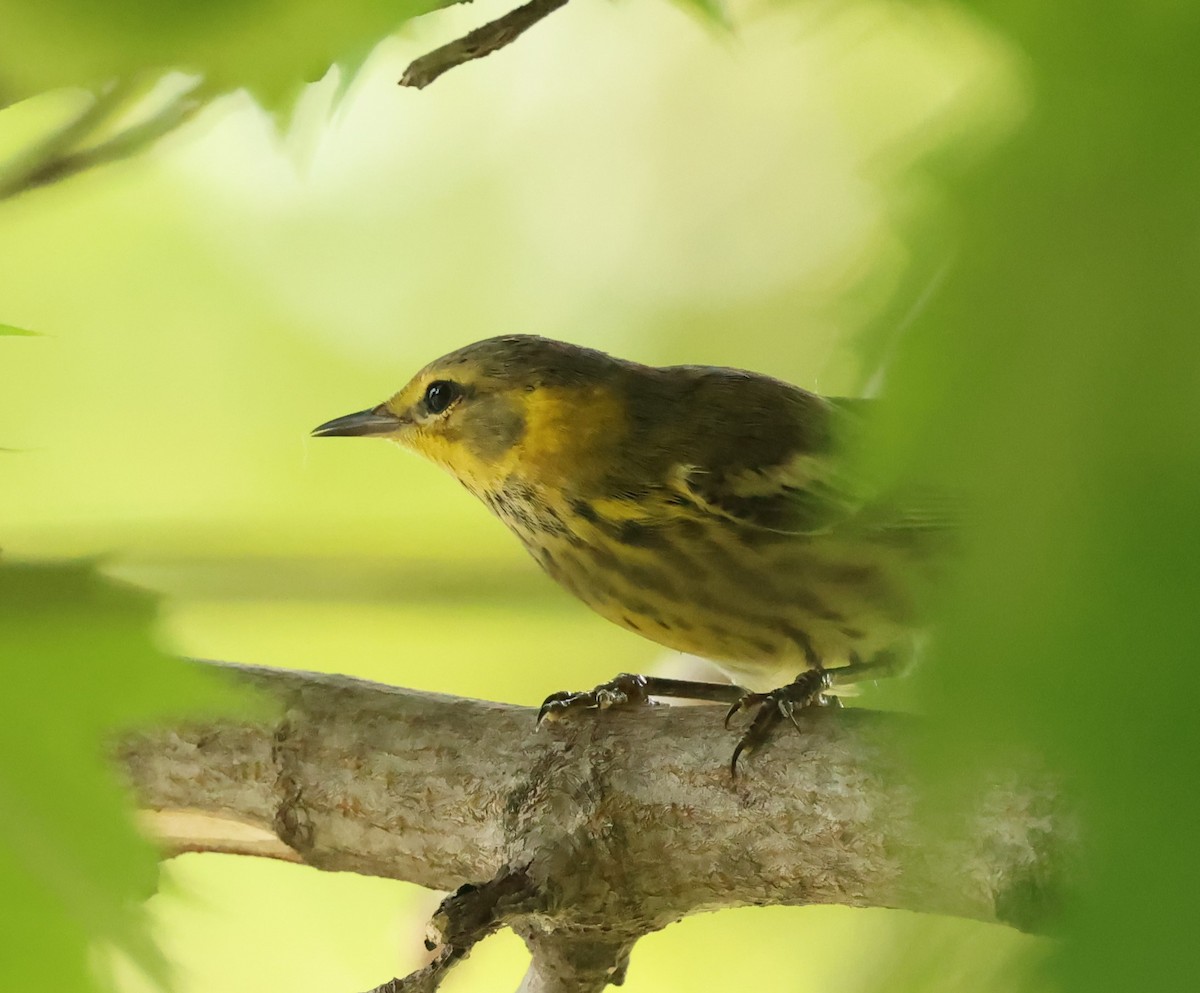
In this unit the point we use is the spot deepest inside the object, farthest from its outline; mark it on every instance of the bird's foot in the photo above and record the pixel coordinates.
(806, 690)
(629, 688)
(625, 690)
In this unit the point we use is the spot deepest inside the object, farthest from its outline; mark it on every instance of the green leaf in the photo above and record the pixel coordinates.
(80, 662)
(1055, 378)
(269, 47)
(710, 11)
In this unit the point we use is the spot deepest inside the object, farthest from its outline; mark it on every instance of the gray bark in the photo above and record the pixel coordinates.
(586, 834)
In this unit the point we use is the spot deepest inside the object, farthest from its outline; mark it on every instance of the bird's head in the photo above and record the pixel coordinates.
(517, 403)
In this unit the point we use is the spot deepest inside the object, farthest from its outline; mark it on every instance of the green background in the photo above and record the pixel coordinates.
(989, 213)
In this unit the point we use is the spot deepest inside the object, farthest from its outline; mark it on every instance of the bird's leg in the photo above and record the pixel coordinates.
(816, 687)
(806, 690)
(630, 688)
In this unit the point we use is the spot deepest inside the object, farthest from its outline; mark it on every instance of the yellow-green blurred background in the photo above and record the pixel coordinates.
(783, 196)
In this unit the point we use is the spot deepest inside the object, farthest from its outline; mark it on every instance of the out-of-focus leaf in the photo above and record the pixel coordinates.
(1056, 378)
(712, 11)
(79, 663)
(267, 46)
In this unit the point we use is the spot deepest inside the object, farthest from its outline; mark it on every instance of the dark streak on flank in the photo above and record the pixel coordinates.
(757, 582)
(815, 605)
(581, 508)
(640, 535)
(645, 611)
(545, 558)
(603, 558)
(649, 578)
(765, 649)
(719, 631)
(802, 641)
(699, 595)
(634, 533)
(594, 588)
(682, 562)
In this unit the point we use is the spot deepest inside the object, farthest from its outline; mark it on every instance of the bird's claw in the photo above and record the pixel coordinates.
(627, 688)
(806, 690)
(744, 702)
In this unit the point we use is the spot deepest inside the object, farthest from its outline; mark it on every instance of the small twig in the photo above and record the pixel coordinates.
(129, 142)
(480, 42)
(58, 157)
(463, 920)
(15, 176)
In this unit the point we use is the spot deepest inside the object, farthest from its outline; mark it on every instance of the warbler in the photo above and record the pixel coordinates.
(712, 510)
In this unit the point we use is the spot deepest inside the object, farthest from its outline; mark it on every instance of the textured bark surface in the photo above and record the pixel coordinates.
(585, 834)
(481, 42)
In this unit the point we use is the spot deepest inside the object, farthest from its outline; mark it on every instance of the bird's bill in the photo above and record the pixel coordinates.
(377, 420)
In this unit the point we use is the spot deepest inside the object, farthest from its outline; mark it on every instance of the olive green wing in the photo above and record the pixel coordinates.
(811, 488)
(783, 468)
(802, 496)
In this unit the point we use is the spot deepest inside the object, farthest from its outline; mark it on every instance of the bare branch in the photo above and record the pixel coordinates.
(587, 834)
(65, 152)
(464, 919)
(482, 41)
(127, 143)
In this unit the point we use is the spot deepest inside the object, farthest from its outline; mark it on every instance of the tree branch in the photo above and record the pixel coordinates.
(482, 41)
(66, 153)
(586, 834)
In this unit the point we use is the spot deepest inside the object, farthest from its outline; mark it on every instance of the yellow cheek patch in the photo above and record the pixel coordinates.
(569, 432)
(566, 438)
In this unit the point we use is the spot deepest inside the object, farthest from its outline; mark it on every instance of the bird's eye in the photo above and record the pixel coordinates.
(439, 395)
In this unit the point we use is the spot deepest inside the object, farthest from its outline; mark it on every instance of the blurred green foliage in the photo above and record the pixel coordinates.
(988, 208)
(1055, 377)
(711, 11)
(79, 663)
(267, 46)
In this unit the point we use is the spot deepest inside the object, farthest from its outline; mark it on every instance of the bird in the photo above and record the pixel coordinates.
(716, 511)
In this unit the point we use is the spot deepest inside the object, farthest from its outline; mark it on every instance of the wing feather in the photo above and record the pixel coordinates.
(814, 490)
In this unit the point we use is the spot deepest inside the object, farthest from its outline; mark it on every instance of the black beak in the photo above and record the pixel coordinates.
(375, 421)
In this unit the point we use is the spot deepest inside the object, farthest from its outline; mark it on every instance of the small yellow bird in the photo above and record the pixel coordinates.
(714, 511)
